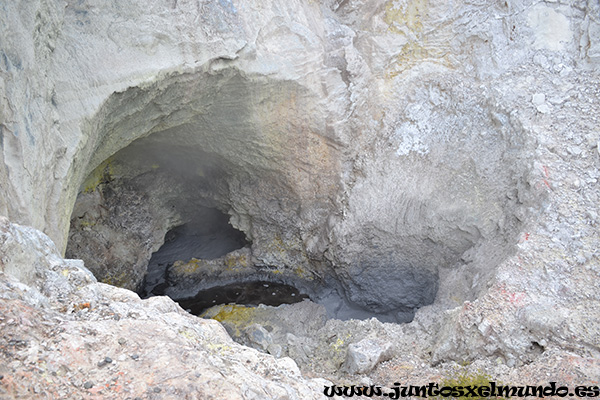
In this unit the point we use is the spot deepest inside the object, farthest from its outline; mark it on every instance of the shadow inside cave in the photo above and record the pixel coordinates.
(250, 293)
(208, 236)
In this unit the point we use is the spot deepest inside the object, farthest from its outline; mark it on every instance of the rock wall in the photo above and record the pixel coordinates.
(354, 141)
(97, 339)
(405, 150)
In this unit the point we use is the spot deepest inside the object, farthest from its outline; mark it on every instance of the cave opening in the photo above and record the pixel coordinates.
(415, 229)
(157, 217)
(208, 236)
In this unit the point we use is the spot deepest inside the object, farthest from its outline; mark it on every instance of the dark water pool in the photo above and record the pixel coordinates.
(247, 293)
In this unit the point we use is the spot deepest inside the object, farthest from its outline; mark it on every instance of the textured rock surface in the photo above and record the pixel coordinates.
(67, 336)
(346, 150)
(366, 354)
(397, 151)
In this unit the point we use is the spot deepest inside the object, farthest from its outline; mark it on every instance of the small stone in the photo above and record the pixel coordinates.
(157, 390)
(544, 109)
(366, 381)
(541, 60)
(258, 336)
(365, 355)
(88, 385)
(575, 150)
(556, 100)
(275, 350)
(538, 99)
(1, 377)
(122, 341)
(107, 360)
(135, 356)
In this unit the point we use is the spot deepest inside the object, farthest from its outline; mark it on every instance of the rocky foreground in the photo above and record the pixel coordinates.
(72, 337)
(65, 335)
(436, 160)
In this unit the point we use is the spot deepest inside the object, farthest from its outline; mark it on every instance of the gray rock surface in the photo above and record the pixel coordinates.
(365, 355)
(346, 142)
(416, 158)
(88, 338)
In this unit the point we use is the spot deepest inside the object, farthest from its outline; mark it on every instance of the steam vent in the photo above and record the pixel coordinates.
(261, 199)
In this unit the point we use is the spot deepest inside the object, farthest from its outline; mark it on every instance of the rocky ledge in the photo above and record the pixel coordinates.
(428, 162)
(66, 336)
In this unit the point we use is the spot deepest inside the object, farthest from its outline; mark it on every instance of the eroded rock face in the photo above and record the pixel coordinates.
(395, 152)
(371, 172)
(225, 150)
(98, 339)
